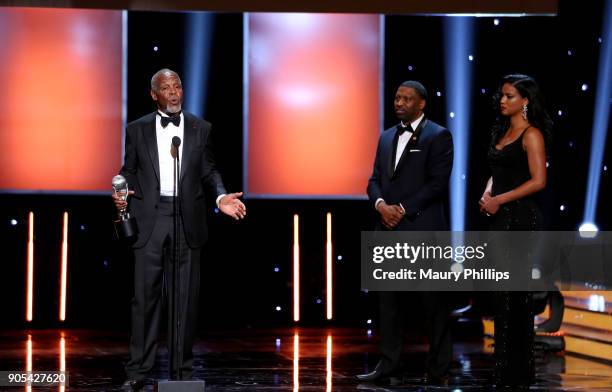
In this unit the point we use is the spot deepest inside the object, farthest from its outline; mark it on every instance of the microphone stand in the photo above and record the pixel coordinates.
(175, 371)
(176, 384)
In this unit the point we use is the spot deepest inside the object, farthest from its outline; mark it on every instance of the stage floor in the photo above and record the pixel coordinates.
(304, 359)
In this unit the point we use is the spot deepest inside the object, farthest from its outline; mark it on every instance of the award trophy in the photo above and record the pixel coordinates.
(125, 226)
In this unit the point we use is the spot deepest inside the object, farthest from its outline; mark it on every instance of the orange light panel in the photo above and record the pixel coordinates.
(61, 125)
(313, 103)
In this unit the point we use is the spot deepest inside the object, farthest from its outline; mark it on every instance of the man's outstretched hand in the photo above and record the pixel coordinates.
(231, 205)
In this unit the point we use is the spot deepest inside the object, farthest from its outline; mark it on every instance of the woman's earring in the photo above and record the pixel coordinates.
(524, 111)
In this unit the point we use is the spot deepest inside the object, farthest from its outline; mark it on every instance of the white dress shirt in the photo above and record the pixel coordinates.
(164, 144)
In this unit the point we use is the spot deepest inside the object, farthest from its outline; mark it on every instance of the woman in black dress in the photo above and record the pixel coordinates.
(517, 157)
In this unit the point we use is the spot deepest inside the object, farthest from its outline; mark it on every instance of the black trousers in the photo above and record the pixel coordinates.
(153, 273)
(394, 307)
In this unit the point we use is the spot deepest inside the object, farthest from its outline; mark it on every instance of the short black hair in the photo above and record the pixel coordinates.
(417, 86)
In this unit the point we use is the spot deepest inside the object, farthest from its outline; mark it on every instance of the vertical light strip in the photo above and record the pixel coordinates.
(296, 267)
(64, 268)
(29, 359)
(245, 102)
(30, 269)
(381, 74)
(296, 362)
(124, 80)
(62, 359)
(328, 364)
(329, 271)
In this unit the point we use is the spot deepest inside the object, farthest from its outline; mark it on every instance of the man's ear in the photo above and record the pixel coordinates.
(154, 95)
(422, 104)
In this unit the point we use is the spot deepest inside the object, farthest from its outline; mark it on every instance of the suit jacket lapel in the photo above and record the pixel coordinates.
(188, 134)
(414, 139)
(393, 151)
(150, 135)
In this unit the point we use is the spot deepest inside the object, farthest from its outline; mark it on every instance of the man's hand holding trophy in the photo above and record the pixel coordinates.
(125, 226)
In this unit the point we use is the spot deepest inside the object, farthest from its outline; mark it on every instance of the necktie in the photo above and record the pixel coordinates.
(176, 120)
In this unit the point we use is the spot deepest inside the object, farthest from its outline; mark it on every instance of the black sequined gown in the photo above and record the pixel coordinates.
(514, 333)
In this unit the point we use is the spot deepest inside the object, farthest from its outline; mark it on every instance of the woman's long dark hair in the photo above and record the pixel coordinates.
(536, 111)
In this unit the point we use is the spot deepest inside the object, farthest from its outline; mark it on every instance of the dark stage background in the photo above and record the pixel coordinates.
(240, 287)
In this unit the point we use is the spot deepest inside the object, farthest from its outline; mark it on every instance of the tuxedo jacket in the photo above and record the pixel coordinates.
(420, 181)
(198, 176)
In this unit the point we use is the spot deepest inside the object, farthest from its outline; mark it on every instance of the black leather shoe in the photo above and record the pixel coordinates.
(379, 374)
(132, 385)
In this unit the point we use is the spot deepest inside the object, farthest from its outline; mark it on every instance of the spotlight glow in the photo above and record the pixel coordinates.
(588, 230)
(496, 22)
(584, 87)
(458, 41)
(600, 117)
(199, 32)
(13, 222)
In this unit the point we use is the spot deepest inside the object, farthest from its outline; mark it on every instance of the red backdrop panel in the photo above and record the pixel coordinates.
(60, 127)
(313, 103)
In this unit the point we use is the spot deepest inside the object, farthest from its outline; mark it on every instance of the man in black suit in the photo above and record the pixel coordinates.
(408, 188)
(149, 170)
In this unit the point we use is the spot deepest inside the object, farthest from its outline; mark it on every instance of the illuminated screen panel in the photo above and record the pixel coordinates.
(313, 104)
(61, 122)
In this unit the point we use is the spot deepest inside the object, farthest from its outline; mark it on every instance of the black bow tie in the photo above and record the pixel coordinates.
(175, 119)
(401, 128)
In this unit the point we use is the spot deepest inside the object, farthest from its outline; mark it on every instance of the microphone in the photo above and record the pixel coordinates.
(176, 141)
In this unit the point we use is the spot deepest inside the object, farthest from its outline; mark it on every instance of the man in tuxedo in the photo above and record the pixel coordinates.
(149, 170)
(408, 188)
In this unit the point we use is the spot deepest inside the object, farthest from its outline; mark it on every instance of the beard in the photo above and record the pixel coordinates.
(171, 109)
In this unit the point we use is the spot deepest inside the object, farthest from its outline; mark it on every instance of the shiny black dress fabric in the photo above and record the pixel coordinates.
(514, 314)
